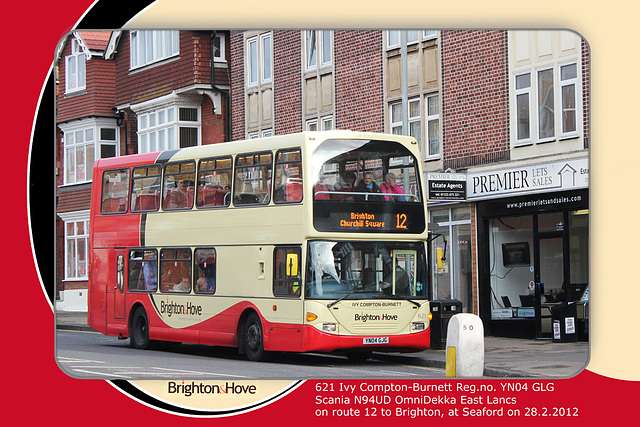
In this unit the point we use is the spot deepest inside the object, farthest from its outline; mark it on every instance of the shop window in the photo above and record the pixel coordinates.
(452, 276)
(509, 280)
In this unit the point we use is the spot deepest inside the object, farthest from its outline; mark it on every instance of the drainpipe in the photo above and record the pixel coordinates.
(225, 95)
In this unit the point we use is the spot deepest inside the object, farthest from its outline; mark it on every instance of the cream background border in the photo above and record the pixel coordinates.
(615, 152)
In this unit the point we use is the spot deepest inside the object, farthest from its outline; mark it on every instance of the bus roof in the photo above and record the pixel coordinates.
(241, 146)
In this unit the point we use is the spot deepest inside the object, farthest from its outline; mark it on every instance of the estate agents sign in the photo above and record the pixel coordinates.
(567, 174)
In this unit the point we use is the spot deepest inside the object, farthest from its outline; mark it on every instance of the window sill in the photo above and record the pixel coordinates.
(523, 144)
(74, 93)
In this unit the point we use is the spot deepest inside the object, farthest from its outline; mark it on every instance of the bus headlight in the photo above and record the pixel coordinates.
(417, 326)
(329, 327)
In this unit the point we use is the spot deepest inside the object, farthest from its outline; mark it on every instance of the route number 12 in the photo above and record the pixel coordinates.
(401, 220)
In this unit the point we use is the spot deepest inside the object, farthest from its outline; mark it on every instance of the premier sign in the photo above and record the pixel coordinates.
(563, 175)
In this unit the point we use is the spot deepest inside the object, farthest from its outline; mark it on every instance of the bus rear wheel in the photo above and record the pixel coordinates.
(140, 329)
(253, 343)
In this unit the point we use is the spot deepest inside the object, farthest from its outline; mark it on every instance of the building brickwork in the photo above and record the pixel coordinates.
(287, 63)
(236, 46)
(586, 93)
(189, 68)
(96, 100)
(358, 80)
(475, 96)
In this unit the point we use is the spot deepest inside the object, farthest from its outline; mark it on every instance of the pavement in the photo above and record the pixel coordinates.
(503, 357)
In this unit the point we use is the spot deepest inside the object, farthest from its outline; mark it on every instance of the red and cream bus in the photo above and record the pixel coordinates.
(273, 244)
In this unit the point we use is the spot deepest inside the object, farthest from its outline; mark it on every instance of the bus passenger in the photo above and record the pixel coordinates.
(368, 185)
(390, 187)
(280, 189)
(150, 276)
(178, 196)
(201, 285)
(184, 285)
(346, 185)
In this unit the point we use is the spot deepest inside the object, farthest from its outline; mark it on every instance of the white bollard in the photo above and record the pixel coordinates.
(465, 346)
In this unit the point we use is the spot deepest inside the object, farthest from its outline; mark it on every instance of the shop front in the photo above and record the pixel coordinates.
(533, 248)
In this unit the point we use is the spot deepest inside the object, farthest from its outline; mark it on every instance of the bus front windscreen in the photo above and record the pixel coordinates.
(365, 270)
(366, 186)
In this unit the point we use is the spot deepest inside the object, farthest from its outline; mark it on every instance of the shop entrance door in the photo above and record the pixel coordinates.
(549, 275)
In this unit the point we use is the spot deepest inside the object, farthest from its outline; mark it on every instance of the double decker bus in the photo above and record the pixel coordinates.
(284, 243)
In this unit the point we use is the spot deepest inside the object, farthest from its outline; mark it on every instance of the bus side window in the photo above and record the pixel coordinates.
(175, 270)
(214, 182)
(287, 187)
(115, 191)
(204, 262)
(253, 179)
(143, 270)
(287, 280)
(145, 189)
(179, 186)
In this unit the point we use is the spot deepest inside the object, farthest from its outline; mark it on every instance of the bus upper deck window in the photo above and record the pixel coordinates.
(115, 191)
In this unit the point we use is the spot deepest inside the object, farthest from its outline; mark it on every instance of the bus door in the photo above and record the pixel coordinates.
(119, 285)
(287, 287)
(404, 273)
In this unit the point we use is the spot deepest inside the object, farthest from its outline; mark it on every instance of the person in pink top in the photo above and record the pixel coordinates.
(390, 187)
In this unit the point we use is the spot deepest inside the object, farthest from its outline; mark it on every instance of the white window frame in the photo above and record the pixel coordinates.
(83, 139)
(259, 62)
(312, 125)
(396, 127)
(528, 91)
(326, 123)
(429, 118)
(76, 242)
(221, 54)
(266, 58)
(562, 83)
(534, 103)
(76, 81)
(429, 34)
(159, 128)
(537, 94)
(151, 46)
(315, 41)
(413, 37)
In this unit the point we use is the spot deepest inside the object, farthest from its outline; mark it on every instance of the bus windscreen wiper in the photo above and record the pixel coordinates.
(355, 291)
(403, 298)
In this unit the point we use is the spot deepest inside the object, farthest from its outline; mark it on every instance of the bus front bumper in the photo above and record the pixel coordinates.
(315, 340)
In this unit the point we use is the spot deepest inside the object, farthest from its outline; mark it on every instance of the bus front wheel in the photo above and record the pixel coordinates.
(253, 343)
(140, 329)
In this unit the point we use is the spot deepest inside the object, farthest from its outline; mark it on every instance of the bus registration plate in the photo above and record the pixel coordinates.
(375, 340)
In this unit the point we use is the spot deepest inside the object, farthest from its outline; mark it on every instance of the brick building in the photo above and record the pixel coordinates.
(127, 92)
(486, 106)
